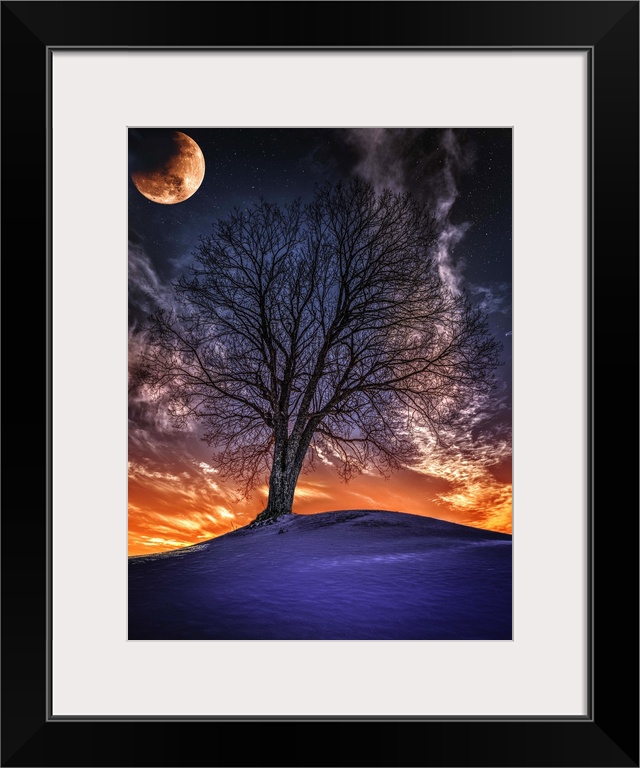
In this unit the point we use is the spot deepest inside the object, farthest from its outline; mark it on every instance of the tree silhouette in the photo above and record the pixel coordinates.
(320, 328)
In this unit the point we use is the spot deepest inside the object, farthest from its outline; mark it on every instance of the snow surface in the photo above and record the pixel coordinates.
(349, 575)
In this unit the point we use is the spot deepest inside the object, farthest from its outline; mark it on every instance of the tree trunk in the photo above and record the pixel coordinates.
(282, 486)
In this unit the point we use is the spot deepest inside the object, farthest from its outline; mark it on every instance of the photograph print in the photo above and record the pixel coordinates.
(320, 383)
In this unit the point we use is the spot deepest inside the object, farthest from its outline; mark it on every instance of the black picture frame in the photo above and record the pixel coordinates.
(608, 735)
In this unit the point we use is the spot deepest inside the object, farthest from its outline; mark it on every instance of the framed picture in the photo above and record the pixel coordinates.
(388, 513)
(564, 79)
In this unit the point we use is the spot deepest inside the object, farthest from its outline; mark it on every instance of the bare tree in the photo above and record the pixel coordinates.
(318, 328)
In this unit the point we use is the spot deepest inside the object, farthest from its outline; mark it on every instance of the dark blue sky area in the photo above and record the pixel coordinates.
(282, 164)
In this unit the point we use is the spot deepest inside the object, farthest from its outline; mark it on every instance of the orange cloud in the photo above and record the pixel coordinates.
(180, 499)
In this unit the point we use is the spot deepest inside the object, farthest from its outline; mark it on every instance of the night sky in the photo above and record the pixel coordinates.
(177, 496)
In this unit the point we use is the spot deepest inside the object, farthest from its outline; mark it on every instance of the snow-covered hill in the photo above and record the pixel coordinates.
(350, 575)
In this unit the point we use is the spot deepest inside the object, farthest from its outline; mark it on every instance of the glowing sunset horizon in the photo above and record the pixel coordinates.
(186, 502)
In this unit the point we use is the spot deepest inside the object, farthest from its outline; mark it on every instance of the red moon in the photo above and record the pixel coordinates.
(176, 175)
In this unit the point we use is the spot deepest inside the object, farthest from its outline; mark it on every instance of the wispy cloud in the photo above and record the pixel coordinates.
(308, 490)
(471, 464)
(386, 159)
(492, 297)
(146, 290)
(382, 155)
(148, 412)
(180, 505)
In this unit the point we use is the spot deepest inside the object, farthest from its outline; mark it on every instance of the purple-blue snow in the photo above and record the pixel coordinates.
(351, 575)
